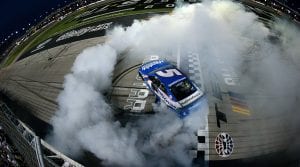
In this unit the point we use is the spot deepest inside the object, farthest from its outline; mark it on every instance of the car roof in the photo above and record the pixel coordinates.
(150, 69)
(169, 81)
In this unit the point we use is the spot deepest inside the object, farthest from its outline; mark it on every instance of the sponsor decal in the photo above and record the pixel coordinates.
(238, 103)
(76, 33)
(224, 145)
(191, 98)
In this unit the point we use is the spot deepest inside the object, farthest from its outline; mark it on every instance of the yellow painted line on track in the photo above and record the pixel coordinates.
(240, 110)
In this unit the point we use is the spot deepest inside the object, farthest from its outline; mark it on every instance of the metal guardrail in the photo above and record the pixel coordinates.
(36, 152)
(52, 154)
(22, 139)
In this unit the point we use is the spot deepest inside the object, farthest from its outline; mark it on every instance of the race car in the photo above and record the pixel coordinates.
(171, 86)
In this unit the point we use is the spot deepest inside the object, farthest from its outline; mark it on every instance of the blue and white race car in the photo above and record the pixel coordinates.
(170, 85)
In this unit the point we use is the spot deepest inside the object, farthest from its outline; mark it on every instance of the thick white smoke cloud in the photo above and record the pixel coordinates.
(290, 38)
(84, 119)
(81, 99)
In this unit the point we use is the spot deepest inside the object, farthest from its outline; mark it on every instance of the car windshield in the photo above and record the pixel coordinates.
(183, 89)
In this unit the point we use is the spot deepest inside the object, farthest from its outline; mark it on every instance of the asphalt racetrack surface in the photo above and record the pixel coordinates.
(238, 129)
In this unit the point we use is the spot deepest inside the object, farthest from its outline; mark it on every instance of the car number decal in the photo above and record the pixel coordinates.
(168, 73)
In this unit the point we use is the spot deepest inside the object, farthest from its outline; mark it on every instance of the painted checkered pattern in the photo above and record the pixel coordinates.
(195, 74)
(201, 151)
(203, 143)
(194, 68)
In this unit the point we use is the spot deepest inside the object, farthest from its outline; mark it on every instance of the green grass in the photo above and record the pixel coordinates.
(74, 25)
(16, 51)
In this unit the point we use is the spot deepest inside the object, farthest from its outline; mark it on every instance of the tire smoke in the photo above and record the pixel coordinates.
(212, 29)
